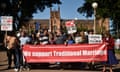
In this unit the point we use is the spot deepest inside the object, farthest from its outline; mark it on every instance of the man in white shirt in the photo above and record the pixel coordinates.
(24, 39)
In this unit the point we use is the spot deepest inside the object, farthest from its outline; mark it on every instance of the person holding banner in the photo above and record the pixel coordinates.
(44, 38)
(24, 39)
(91, 65)
(59, 39)
(69, 40)
(111, 54)
(78, 38)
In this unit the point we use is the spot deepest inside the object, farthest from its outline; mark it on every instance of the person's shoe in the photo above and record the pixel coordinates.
(9, 67)
(58, 63)
(16, 69)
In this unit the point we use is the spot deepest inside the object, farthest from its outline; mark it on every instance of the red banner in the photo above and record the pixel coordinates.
(63, 53)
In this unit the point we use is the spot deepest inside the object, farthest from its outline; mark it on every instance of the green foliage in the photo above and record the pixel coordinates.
(23, 9)
(81, 28)
(106, 9)
(117, 51)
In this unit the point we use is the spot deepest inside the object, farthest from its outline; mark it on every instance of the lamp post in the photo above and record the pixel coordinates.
(94, 5)
(76, 20)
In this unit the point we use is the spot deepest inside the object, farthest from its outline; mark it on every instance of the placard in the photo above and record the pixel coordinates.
(6, 23)
(94, 38)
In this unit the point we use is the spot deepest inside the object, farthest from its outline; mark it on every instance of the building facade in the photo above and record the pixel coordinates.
(55, 23)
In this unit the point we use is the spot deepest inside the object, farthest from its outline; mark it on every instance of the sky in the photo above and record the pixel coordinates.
(68, 10)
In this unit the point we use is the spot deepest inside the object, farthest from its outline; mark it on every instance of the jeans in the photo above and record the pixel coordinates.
(15, 54)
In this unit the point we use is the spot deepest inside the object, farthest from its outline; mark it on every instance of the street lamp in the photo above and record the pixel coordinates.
(94, 5)
(76, 20)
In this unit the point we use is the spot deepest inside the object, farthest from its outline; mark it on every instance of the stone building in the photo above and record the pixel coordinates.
(55, 23)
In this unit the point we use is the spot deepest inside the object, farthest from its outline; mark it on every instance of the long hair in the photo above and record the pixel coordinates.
(107, 34)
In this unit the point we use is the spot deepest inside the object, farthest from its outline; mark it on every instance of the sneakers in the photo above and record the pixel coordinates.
(16, 69)
(58, 63)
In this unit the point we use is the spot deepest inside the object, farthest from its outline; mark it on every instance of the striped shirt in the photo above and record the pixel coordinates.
(44, 39)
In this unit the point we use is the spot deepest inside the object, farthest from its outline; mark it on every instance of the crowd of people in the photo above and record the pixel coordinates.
(15, 41)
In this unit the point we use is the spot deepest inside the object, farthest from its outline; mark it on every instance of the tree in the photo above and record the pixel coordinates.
(106, 9)
(23, 9)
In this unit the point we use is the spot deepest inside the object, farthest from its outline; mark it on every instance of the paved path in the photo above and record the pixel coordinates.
(51, 68)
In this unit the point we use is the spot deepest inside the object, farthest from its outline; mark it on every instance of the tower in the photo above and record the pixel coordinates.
(54, 24)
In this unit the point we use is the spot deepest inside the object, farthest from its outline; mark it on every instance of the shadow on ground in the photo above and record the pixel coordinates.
(116, 70)
(65, 66)
(71, 66)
